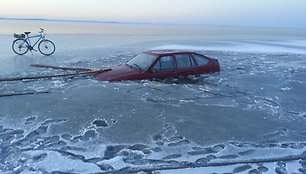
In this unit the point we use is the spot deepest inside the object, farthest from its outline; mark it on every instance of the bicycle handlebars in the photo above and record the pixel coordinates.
(41, 30)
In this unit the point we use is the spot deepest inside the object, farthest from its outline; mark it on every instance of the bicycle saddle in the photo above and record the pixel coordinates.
(27, 33)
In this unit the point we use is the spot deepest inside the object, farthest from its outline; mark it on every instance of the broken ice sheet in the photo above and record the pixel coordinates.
(156, 123)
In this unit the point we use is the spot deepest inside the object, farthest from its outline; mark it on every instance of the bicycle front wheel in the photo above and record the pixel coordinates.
(20, 46)
(46, 47)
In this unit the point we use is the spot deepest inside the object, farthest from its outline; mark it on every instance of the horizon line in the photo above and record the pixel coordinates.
(139, 23)
(103, 22)
(70, 20)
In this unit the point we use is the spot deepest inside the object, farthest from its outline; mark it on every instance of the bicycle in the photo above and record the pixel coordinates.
(22, 44)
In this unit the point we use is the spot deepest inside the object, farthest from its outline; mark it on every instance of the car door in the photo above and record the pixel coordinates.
(185, 65)
(164, 67)
(202, 63)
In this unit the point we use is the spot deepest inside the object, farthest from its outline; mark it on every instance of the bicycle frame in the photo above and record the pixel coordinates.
(41, 37)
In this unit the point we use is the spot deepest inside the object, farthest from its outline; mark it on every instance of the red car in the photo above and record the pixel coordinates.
(161, 64)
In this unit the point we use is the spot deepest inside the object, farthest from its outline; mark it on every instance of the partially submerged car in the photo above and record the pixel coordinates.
(160, 64)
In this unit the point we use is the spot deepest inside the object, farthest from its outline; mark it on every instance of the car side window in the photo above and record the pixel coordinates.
(164, 63)
(202, 61)
(184, 61)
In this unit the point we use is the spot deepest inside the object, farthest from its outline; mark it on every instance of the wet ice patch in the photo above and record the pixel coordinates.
(207, 150)
(102, 123)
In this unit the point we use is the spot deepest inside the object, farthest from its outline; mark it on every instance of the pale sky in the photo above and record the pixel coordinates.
(277, 13)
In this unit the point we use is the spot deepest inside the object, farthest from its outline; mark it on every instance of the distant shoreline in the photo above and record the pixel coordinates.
(144, 23)
(70, 20)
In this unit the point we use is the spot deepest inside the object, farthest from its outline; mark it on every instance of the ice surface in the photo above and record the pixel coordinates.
(247, 47)
(54, 161)
(254, 109)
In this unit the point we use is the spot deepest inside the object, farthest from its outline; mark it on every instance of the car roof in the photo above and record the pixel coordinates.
(164, 52)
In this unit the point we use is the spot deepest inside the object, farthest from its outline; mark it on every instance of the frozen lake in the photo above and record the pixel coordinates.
(250, 117)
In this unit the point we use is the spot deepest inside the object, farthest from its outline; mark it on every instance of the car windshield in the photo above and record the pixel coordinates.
(142, 61)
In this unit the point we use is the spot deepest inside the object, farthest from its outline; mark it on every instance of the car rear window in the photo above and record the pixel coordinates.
(202, 61)
(184, 61)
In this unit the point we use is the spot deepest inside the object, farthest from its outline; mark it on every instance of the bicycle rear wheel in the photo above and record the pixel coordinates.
(20, 46)
(46, 47)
